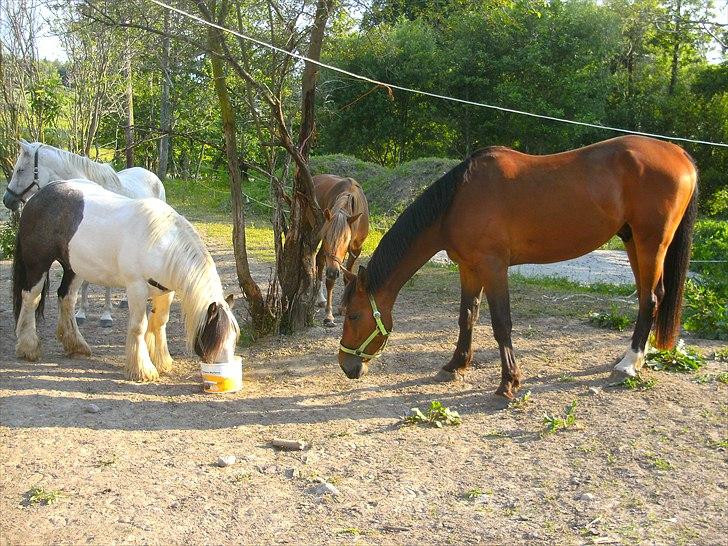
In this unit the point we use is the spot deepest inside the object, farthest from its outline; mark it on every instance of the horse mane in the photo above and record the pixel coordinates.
(101, 173)
(346, 204)
(192, 272)
(416, 218)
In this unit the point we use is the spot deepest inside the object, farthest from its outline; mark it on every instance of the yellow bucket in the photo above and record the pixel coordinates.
(222, 376)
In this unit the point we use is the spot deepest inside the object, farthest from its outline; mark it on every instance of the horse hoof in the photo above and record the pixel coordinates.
(617, 377)
(80, 320)
(106, 323)
(328, 323)
(445, 376)
(123, 304)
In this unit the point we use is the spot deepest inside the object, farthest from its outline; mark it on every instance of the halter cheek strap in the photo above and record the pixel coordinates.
(21, 196)
(380, 329)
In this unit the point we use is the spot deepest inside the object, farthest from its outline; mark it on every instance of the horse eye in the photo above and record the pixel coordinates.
(354, 316)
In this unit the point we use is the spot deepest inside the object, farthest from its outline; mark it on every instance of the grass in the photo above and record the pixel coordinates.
(521, 402)
(41, 496)
(437, 416)
(473, 494)
(555, 423)
(659, 463)
(565, 285)
(639, 384)
(613, 319)
(681, 358)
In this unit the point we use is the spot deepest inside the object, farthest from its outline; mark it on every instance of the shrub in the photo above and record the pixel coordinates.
(437, 416)
(8, 230)
(681, 358)
(706, 310)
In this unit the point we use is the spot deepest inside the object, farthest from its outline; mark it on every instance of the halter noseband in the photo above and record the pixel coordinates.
(380, 329)
(21, 196)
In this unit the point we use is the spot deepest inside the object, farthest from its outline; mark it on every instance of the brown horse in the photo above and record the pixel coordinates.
(346, 226)
(501, 207)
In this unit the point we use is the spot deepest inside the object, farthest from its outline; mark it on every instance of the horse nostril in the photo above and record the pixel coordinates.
(332, 274)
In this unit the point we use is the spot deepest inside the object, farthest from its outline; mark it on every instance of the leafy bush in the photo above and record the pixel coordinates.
(437, 416)
(639, 384)
(706, 310)
(8, 231)
(706, 297)
(681, 358)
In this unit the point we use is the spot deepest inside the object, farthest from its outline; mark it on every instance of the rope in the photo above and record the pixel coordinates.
(426, 93)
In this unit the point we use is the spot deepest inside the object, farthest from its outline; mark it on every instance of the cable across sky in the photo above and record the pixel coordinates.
(427, 93)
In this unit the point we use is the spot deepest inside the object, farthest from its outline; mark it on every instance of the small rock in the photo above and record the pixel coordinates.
(91, 408)
(174, 505)
(587, 497)
(575, 481)
(226, 460)
(595, 390)
(291, 473)
(325, 488)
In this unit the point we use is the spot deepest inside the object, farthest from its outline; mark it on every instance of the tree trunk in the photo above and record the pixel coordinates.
(165, 107)
(129, 107)
(298, 276)
(259, 316)
(674, 65)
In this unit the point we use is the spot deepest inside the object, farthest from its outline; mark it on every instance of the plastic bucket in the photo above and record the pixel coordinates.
(222, 376)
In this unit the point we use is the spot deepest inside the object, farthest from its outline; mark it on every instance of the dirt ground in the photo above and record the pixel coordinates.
(638, 467)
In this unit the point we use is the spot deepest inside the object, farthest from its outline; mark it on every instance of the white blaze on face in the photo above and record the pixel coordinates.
(631, 363)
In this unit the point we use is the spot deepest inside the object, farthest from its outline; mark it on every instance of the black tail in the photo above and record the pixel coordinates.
(675, 269)
(20, 281)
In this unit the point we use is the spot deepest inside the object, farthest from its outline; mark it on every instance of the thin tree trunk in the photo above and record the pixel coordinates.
(298, 277)
(674, 65)
(249, 287)
(165, 107)
(129, 107)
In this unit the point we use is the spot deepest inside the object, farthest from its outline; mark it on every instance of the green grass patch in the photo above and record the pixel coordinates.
(521, 402)
(41, 496)
(565, 285)
(613, 319)
(554, 423)
(639, 384)
(437, 416)
(681, 358)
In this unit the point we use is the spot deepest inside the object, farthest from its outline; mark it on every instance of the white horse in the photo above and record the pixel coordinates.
(142, 245)
(39, 164)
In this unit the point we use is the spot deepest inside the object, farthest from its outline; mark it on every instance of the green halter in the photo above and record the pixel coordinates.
(380, 329)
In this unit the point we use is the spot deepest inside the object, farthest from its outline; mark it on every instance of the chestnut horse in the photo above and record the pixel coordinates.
(346, 226)
(501, 207)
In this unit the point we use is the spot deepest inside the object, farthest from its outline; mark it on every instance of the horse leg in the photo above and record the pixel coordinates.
(495, 279)
(329, 320)
(139, 366)
(81, 313)
(650, 257)
(320, 266)
(67, 330)
(156, 336)
(471, 290)
(106, 320)
(27, 345)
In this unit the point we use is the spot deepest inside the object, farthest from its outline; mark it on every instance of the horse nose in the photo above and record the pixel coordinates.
(332, 273)
(354, 367)
(10, 202)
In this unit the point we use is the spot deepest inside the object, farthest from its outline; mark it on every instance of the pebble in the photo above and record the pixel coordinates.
(587, 497)
(226, 460)
(326, 488)
(575, 481)
(91, 408)
(595, 390)
(291, 473)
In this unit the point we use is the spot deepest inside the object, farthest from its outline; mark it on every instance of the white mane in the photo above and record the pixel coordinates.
(104, 175)
(190, 266)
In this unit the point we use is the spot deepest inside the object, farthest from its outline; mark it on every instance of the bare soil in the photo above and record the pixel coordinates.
(638, 467)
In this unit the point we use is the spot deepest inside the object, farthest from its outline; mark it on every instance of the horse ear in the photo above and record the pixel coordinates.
(363, 278)
(353, 219)
(230, 299)
(327, 214)
(25, 145)
(212, 311)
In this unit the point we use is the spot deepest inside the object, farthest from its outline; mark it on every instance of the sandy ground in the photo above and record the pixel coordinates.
(638, 467)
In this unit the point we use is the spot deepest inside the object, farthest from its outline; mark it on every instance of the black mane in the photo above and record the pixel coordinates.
(421, 214)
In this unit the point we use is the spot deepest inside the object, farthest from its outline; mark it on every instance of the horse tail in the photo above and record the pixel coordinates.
(674, 272)
(20, 279)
